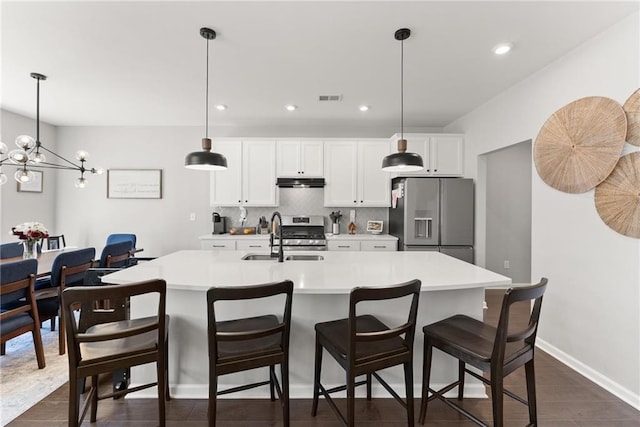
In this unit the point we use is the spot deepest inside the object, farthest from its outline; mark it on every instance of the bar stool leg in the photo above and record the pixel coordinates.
(284, 373)
(408, 381)
(316, 377)
(531, 392)
(461, 367)
(497, 398)
(272, 375)
(369, 386)
(351, 402)
(426, 373)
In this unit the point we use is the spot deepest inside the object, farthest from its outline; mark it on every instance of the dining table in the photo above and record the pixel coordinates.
(44, 258)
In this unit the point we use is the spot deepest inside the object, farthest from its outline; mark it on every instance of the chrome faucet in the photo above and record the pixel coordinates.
(280, 254)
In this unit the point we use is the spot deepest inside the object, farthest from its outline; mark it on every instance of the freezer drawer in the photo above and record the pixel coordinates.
(464, 253)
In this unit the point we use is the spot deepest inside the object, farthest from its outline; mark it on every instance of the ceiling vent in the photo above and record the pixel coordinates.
(326, 98)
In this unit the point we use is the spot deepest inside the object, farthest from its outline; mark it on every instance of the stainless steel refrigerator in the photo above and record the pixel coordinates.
(433, 214)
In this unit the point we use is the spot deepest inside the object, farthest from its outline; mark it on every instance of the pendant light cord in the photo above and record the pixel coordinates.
(402, 89)
(206, 119)
(37, 111)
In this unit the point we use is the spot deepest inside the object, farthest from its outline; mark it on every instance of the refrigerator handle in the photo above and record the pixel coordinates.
(422, 227)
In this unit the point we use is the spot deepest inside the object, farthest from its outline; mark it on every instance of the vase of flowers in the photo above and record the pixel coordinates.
(30, 233)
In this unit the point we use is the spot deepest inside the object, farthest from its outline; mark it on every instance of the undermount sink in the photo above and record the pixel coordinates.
(258, 257)
(267, 257)
(301, 257)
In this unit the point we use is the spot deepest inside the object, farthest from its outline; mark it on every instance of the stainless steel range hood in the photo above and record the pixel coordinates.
(300, 182)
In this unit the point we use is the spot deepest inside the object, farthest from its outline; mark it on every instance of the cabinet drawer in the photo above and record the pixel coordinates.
(250, 245)
(379, 246)
(221, 245)
(343, 246)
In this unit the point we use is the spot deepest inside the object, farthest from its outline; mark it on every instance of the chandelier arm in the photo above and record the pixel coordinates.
(46, 165)
(75, 166)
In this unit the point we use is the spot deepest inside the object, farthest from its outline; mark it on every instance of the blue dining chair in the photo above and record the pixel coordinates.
(18, 310)
(11, 250)
(68, 269)
(121, 237)
(116, 255)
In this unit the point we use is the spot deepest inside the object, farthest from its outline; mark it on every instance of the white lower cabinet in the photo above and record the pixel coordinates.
(363, 244)
(385, 245)
(219, 244)
(341, 245)
(251, 245)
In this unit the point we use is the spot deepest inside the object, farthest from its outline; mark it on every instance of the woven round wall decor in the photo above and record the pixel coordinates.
(632, 109)
(580, 144)
(618, 197)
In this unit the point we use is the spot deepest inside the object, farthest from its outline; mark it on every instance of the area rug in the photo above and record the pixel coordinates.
(22, 384)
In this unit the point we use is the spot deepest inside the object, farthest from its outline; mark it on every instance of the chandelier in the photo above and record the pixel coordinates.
(32, 155)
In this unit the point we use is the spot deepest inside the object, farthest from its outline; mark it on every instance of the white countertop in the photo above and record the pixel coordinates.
(338, 273)
(362, 236)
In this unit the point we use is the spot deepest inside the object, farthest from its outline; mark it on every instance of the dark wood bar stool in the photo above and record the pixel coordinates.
(363, 345)
(98, 344)
(242, 344)
(497, 351)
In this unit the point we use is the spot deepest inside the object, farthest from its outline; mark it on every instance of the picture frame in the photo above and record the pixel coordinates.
(374, 227)
(34, 186)
(134, 183)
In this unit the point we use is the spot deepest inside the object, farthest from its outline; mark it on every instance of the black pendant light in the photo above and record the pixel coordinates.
(402, 161)
(206, 159)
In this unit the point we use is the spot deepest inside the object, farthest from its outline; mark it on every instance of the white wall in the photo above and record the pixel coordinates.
(590, 316)
(18, 207)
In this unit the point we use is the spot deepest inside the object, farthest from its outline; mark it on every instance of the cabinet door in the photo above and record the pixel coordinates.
(374, 184)
(259, 173)
(416, 143)
(226, 185)
(312, 158)
(447, 155)
(340, 173)
(288, 158)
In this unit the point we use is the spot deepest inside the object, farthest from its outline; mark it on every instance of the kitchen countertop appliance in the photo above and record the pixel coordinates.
(303, 233)
(219, 223)
(433, 214)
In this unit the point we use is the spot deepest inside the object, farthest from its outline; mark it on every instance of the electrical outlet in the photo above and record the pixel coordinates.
(506, 264)
(192, 216)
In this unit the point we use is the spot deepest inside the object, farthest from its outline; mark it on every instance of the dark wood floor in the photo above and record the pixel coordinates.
(564, 399)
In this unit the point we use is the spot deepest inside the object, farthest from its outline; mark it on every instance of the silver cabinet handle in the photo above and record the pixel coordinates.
(255, 246)
(344, 246)
(379, 247)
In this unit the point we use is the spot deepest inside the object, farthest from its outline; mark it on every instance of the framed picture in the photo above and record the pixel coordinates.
(34, 186)
(134, 183)
(374, 227)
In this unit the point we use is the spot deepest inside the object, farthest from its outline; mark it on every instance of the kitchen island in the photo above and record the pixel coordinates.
(321, 293)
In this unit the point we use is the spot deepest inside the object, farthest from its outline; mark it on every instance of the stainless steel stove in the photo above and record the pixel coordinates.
(303, 233)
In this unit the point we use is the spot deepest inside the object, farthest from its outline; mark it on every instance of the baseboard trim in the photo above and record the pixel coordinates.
(603, 381)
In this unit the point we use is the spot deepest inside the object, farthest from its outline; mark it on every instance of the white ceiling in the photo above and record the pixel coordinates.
(143, 63)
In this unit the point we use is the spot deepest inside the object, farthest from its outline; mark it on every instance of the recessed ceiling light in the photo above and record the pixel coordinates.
(221, 107)
(291, 107)
(364, 108)
(502, 48)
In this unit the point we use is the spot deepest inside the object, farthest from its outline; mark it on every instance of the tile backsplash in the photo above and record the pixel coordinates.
(305, 201)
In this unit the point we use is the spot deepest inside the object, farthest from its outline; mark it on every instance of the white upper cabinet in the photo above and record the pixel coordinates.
(226, 185)
(340, 173)
(353, 174)
(250, 177)
(259, 173)
(374, 184)
(443, 154)
(300, 159)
